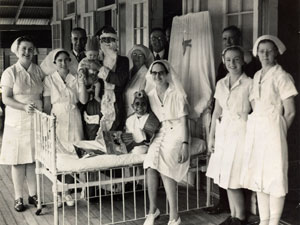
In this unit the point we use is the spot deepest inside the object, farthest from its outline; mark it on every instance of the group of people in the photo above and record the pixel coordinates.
(247, 139)
(93, 87)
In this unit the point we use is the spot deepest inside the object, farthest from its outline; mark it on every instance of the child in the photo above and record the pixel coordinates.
(227, 134)
(141, 126)
(89, 66)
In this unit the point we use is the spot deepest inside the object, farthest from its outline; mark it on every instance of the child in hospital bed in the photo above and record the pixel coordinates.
(140, 128)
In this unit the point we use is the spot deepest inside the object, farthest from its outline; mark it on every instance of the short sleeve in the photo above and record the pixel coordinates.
(286, 86)
(218, 91)
(47, 86)
(181, 106)
(7, 78)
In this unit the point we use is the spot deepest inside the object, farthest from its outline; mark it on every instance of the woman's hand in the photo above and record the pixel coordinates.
(29, 108)
(183, 153)
(211, 145)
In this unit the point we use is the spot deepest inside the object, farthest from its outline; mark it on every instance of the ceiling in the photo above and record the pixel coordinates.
(16, 14)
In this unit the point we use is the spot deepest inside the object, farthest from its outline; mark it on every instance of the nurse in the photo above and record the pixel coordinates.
(266, 154)
(22, 87)
(62, 92)
(228, 129)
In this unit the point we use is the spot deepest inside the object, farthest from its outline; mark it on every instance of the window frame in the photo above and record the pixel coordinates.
(257, 21)
(92, 23)
(145, 26)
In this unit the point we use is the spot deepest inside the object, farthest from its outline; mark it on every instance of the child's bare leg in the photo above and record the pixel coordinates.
(97, 91)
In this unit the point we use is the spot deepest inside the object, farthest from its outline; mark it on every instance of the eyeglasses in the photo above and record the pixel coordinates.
(159, 73)
(107, 40)
(137, 55)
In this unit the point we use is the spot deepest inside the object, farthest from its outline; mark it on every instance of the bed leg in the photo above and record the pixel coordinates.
(55, 207)
(38, 181)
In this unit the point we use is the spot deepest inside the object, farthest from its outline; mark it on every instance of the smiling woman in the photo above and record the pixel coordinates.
(21, 93)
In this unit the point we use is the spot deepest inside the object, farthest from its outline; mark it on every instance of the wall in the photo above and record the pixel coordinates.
(288, 32)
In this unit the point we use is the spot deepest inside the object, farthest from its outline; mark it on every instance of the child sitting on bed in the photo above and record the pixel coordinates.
(141, 126)
(140, 129)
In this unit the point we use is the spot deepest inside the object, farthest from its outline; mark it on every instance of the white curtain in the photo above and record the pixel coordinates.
(191, 55)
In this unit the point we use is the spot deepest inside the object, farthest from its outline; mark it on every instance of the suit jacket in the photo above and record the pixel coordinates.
(80, 56)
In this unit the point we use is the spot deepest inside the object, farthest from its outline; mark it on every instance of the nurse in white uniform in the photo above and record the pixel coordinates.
(266, 154)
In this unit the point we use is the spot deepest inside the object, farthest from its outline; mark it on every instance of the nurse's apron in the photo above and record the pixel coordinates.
(18, 138)
(229, 137)
(266, 157)
(68, 124)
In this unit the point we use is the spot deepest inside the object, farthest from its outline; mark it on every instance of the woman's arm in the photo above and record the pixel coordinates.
(47, 104)
(289, 110)
(216, 114)
(7, 98)
(184, 153)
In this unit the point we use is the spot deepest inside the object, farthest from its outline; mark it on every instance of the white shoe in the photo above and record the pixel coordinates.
(69, 200)
(175, 222)
(59, 202)
(150, 218)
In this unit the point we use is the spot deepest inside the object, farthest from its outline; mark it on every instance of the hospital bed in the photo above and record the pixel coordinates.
(52, 162)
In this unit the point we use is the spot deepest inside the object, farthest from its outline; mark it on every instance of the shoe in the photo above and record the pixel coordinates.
(33, 200)
(150, 218)
(69, 200)
(217, 209)
(228, 221)
(173, 222)
(237, 221)
(19, 206)
(59, 201)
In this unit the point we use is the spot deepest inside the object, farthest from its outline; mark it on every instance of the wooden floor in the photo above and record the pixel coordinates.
(8, 216)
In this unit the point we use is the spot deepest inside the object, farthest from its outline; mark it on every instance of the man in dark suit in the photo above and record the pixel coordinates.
(78, 39)
(158, 44)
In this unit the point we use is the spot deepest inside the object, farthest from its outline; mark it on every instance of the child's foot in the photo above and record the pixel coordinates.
(33, 200)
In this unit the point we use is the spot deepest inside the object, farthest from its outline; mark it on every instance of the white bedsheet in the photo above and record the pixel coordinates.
(71, 163)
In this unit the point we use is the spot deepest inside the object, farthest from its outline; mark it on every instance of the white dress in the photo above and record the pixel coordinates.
(266, 155)
(64, 97)
(18, 136)
(135, 84)
(226, 162)
(163, 152)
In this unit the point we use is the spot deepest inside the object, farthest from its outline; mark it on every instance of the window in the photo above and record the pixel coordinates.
(70, 8)
(140, 22)
(107, 15)
(243, 14)
(56, 35)
(88, 23)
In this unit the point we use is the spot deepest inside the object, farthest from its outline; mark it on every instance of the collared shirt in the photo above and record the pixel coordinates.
(135, 125)
(22, 81)
(236, 98)
(172, 107)
(161, 54)
(61, 91)
(274, 87)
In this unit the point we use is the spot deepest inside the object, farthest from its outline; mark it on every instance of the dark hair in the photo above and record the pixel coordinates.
(157, 29)
(59, 52)
(106, 29)
(79, 29)
(25, 38)
(160, 63)
(266, 41)
(237, 32)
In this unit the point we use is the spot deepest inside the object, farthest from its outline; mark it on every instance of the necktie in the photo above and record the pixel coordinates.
(157, 57)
